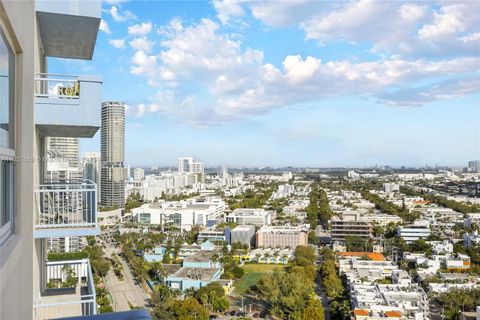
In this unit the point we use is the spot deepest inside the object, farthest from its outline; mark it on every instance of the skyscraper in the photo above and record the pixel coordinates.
(474, 166)
(189, 165)
(92, 167)
(62, 159)
(222, 172)
(113, 150)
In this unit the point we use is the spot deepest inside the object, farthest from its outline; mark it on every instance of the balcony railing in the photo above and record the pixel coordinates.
(68, 290)
(57, 86)
(64, 207)
(67, 105)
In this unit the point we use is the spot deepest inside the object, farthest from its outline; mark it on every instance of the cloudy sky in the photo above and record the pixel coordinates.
(302, 83)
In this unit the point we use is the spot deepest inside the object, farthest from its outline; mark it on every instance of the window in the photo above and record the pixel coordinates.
(7, 152)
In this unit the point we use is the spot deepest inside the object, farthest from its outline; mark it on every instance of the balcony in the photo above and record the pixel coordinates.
(67, 106)
(66, 210)
(68, 290)
(68, 28)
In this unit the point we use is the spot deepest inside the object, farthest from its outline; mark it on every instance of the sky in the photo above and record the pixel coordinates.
(291, 83)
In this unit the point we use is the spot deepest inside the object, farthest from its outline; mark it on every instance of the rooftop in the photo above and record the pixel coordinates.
(201, 256)
(196, 273)
(375, 256)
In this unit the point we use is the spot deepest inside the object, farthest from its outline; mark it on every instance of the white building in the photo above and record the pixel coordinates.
(420, 229)
(182, 214)
(138, 174)
(258, 217)
(189, 165)
(391, 187)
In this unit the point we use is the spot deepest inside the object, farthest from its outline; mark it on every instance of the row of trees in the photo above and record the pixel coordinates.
(442, 201)
(318, 211)
(458, 300)
(390, 208)
(256, 198)
(333, 287)
(289, 294)
(196, 304)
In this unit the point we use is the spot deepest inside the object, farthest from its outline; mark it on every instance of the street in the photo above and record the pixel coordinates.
(125, 293)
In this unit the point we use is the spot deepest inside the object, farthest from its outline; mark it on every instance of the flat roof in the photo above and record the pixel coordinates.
(201, 256)
(375, 256)
(196, 273)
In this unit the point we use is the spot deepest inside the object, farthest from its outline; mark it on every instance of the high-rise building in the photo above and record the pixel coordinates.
(113, 150)
(92, 164)
(138, 174)
(222, 172)
(474, 166)
(189, 165)
(37, 104)
(62, 159)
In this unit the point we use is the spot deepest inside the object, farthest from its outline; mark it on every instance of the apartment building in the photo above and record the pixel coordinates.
(257, 217)
(420, 229)
(350, 224)
(183, 214)
(370, 300)
(38, 105)
(282, 236)
(138, 174)
(92, 164)
(113, 152)
(189, 165)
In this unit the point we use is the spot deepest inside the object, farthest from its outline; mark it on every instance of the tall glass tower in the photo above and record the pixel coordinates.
(112, 154)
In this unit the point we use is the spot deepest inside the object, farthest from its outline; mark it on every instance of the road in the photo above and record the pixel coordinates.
(127, 291)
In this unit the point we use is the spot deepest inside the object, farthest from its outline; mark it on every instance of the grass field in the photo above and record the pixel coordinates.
(253, 272)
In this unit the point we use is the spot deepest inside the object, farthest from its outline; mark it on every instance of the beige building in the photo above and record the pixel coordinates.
(113, 150)
(282, 236)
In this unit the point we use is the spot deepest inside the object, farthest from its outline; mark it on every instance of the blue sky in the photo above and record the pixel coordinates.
(301, 83)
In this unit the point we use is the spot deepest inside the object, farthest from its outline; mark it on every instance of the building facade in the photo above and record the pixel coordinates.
(350, 224)
(257, 217)
(282, 236)
(112, 154)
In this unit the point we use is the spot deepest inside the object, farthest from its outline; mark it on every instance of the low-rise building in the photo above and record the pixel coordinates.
(350, 224)
(245, 234)
(282, 236)
(257, 217)
(420, 229)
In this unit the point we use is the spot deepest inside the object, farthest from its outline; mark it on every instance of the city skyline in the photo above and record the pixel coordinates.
(297, 84)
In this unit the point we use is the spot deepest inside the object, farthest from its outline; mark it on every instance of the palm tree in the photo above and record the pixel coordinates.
(266, 257)
(215, 258)
(275, 255)
(257, 256)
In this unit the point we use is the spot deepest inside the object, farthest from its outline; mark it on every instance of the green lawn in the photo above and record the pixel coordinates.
(253, 272)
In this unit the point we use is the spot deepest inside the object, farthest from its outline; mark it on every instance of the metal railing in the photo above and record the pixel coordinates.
(57, 86)
(66, 205)
(70, 290)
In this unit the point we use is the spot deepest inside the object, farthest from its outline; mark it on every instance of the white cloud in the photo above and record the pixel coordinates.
(409, 29)
(297, 70)
(226, 9)
(445, 90)
(141, 29)
(117, 43)
(142, 44)
(236, 82)
(104, 27)
(119, 16)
